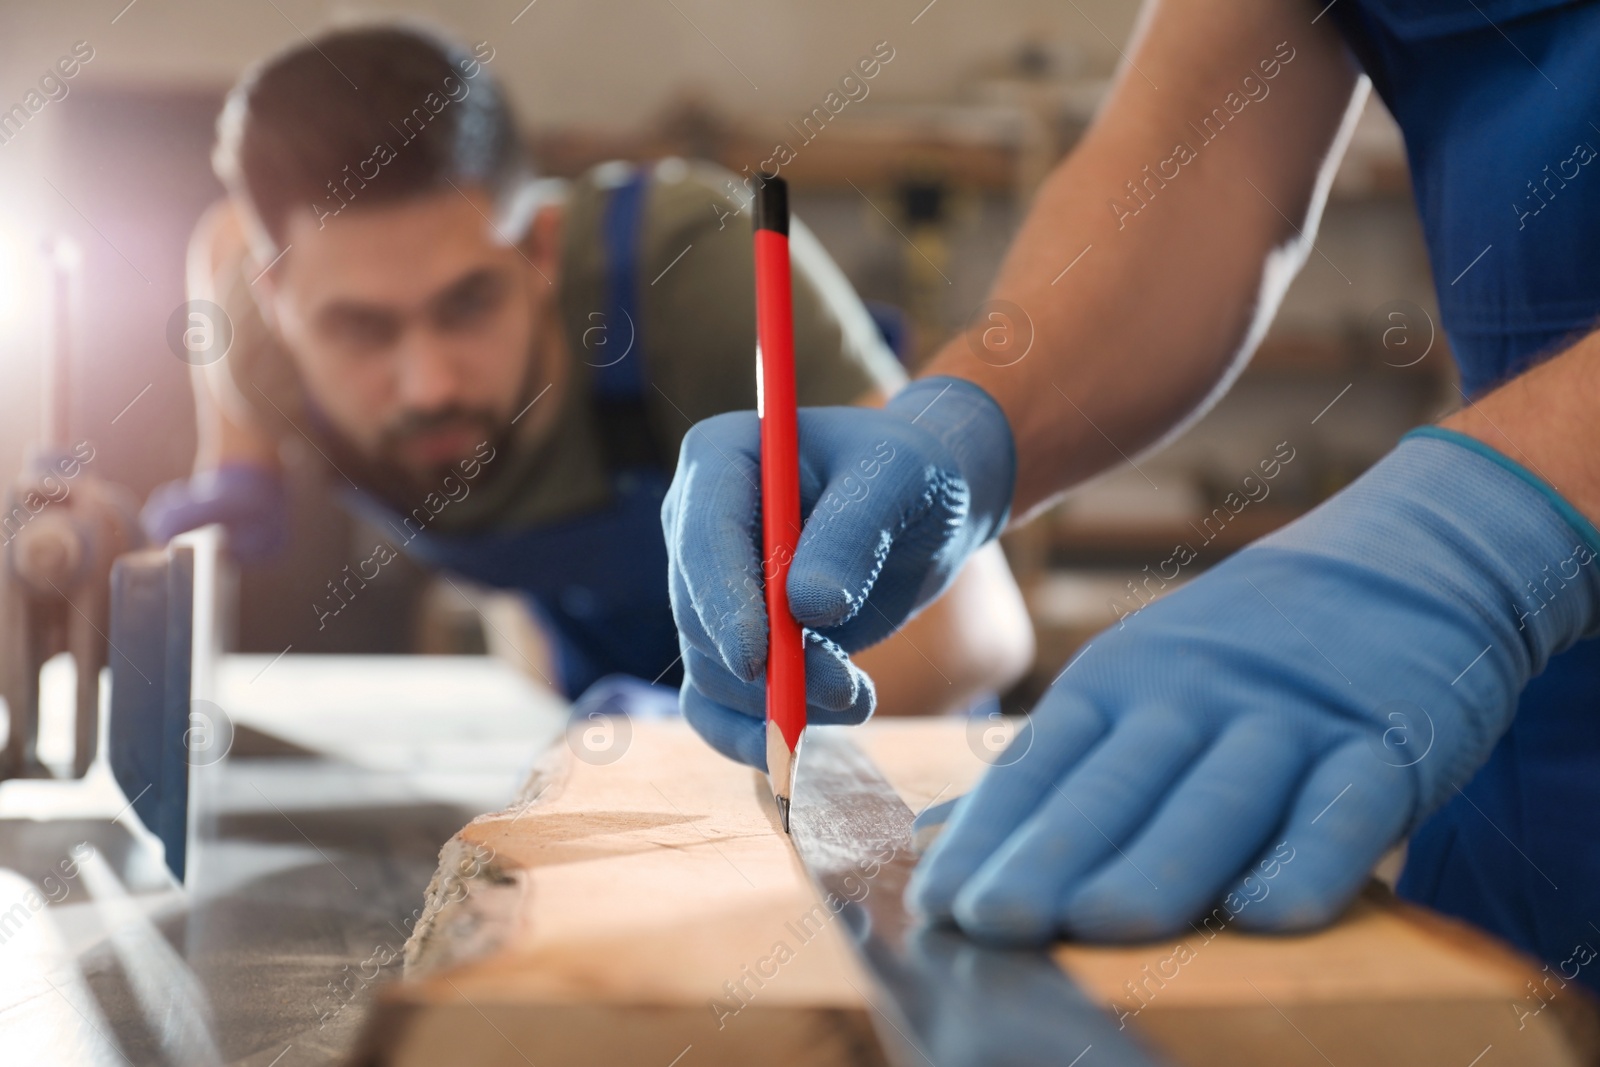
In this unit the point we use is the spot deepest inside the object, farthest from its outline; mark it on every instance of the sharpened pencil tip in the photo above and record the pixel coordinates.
(783, 811)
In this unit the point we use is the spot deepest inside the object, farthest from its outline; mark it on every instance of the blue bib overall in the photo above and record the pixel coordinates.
(599, 579)
(1499, 101)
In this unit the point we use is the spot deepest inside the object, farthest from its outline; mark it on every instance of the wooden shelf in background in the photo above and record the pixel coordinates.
(1079, 542)
(1357, 349)
(834, 159)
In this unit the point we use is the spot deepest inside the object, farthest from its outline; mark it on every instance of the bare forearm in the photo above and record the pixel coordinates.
(226, 432)
(1545, 420)
(976, 639)
(1144, 270)
(224, 439)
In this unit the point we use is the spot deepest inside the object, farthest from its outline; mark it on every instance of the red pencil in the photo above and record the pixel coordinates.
(780, 486)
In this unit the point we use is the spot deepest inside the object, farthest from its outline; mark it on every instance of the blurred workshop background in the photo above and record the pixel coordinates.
(915, 188)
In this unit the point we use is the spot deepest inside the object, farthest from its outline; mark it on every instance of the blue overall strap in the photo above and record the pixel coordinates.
(621, 230)
(1502, 164)
(620, 380)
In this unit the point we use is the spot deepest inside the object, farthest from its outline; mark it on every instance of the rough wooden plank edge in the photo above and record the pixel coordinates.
(474, 907)
(472, 903)
(405, 1030)
(1575, 1010)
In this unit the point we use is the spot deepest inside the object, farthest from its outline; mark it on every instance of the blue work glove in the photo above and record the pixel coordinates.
(895, 501)
(249, 500)
(1252, 743)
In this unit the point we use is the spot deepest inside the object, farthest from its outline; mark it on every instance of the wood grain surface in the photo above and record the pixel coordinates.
(640, 905)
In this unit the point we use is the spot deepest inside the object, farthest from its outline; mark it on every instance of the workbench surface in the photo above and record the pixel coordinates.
(320, 832)
(642, 903)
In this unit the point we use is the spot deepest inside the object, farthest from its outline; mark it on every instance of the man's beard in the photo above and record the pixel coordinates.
(490, 428)
(493, 429)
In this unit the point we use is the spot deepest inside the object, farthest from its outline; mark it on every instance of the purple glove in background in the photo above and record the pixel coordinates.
(249, 500)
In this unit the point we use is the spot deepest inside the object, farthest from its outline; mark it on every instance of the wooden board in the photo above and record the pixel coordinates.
(648, 910)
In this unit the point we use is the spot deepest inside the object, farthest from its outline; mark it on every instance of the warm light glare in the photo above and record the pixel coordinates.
(65, 254)
(19, 264)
